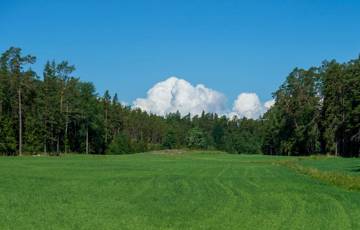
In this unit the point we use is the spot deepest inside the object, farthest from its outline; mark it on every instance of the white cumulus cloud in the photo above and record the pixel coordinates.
(249, 105)
(269, 104)
(176, 94)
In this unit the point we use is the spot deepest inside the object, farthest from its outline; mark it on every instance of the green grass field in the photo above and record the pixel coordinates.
(349, 166)
(173, 191)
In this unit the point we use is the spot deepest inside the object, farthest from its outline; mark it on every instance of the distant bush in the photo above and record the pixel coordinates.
(121, 144)
(139, 146)
(7, 137)
(169, 141)
(196, 139)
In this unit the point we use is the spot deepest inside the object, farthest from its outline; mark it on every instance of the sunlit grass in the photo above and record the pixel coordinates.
(195, 190)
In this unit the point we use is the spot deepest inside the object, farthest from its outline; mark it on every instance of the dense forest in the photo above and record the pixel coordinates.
(316, 111)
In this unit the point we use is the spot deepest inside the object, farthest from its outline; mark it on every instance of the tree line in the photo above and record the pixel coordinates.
(316, 111)
(58, 113)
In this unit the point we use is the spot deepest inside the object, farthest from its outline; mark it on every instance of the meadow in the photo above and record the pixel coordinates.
(175, 190)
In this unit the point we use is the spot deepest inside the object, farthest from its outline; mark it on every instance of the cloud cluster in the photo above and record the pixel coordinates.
(269, 104)
(176, 94)
(249, 105)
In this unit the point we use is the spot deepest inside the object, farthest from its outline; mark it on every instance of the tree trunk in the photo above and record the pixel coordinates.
(45, 136)
(20, 122)
(336, 149)
(106, 126)
(87, 140)
(61, 111)
(61, 100)
(342, 128)
(66, 129)
(58, 144)
(45, 150)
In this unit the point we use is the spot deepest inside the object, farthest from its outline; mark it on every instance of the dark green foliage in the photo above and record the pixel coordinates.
(295, 116)
(121, 144)
(7, 137)
(170, 140)
(341, 107)
(218, 134)
(196, 139)
(243, 136)
(316, 111)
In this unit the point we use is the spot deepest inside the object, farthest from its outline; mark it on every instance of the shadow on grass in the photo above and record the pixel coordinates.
(356, 169)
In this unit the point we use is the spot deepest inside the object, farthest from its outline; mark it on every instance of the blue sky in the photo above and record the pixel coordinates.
(229, 46)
